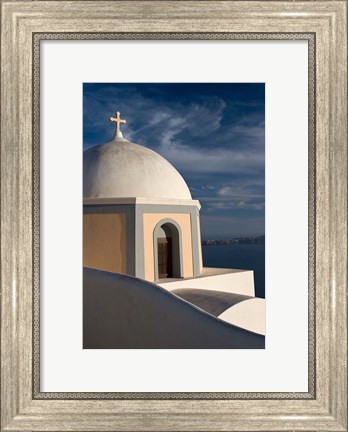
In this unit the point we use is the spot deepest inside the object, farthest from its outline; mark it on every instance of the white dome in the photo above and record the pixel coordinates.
(120, 169)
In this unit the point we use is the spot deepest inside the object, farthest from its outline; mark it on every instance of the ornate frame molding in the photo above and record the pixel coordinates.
(323, 24)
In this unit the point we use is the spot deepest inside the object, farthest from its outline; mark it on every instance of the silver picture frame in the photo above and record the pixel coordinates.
(26, 23)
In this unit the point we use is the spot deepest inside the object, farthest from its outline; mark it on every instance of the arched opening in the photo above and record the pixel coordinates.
(167, 251)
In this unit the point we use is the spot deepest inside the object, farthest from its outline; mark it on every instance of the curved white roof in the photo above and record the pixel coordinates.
(134, 313)
(121, 168)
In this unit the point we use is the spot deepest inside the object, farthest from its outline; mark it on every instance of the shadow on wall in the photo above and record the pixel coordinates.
(121, 311)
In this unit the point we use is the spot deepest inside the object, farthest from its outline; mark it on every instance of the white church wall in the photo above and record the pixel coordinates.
(233, 281)
(248, 314)
(126, 313)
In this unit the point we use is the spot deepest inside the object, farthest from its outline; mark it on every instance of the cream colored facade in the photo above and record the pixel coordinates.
(104, 241)
(150, 221)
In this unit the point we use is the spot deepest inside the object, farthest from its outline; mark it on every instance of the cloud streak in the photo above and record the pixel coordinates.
(213, 134)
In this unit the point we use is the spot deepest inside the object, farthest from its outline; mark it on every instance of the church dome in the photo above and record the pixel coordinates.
(122, 169)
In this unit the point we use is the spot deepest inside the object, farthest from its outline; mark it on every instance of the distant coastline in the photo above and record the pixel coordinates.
(237, 240)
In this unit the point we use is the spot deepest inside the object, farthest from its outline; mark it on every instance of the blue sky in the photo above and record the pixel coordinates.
(214, 135)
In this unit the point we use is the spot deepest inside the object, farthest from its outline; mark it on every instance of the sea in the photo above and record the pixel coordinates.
(238, 256)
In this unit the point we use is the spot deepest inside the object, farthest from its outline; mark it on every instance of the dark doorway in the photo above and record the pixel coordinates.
(165, 263)
(167, 251)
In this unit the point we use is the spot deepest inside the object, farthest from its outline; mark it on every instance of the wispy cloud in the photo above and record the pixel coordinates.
(214, 138)
(211, 160)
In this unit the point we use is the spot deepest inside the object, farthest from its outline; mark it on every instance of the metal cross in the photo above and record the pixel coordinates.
(118, 121)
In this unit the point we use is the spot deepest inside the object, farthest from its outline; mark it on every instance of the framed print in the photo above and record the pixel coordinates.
(174, 215)
(145, 207)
